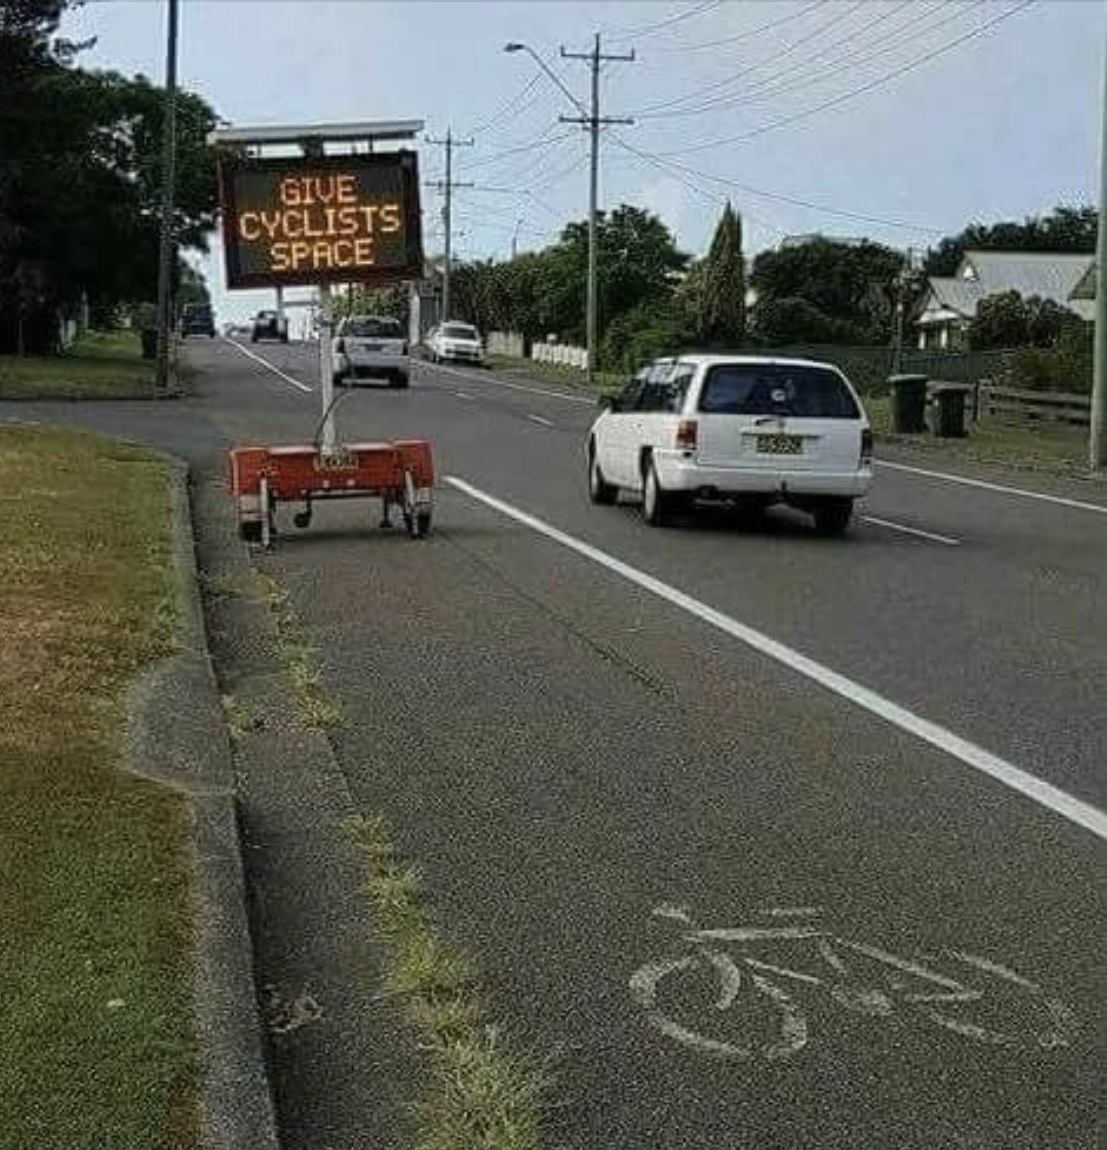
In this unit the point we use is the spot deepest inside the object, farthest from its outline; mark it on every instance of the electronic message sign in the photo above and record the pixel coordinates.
(325, 219)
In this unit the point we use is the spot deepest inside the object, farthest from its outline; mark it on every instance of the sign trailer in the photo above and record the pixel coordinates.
(318, 219)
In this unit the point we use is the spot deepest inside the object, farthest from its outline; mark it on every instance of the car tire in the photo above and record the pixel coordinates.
(657, 503)
(599, 490)
(833, 515)
(400, 380)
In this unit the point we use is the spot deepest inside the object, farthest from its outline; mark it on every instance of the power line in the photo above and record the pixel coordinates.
(544, 141)
(714, 198)
(779, 196)
(749, 33)
(661, 25)
(742, 95)
(851, 61)
(838, 18)
(506, 107)
(859, 91)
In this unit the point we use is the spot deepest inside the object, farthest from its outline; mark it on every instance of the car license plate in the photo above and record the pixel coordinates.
(779, 445)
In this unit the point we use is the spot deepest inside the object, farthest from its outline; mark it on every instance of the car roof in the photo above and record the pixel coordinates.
(374, 318)
(713, 358)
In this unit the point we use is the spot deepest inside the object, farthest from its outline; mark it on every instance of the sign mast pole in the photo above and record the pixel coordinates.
(326, 370)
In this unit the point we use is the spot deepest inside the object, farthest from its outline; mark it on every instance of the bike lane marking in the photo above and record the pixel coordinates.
(1060, 802)
(1002, 488)
(932, 1003)
(265, 363)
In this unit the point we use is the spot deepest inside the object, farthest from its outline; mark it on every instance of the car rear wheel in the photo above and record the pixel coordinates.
(657, 503)
(599, 490)
(833, 515)
(399, 381)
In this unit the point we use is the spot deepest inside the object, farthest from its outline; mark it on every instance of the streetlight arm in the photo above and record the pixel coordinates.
(517, 46)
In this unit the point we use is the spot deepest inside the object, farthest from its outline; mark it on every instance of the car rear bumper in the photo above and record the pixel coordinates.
(461, 355)
(375, 365)
(678, 472)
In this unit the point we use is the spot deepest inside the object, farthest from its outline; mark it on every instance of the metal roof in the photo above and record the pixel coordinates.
(1051, 275)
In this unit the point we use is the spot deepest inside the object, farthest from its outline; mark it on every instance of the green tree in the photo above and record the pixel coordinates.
(1008, 320)
(792, 320)
(842, 282)
(723, 301)
(1065, 229)
(80, 170)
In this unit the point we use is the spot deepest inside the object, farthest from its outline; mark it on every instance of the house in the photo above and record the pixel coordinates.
(950, 302)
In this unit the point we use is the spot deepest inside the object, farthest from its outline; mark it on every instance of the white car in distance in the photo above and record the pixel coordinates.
(743, 430)
(455, 342)
(370, 346)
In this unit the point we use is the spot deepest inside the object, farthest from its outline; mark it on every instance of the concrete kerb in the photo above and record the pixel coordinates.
(176, 734)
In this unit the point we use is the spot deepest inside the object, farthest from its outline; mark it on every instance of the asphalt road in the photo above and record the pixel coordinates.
(594, 754)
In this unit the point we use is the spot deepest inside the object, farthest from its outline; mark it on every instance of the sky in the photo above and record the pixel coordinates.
(900, 120)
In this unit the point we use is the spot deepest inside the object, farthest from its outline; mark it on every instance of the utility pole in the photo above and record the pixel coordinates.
(1097, 438)
(593, 121)
(447, 187)
(167, 248)
(902, 280)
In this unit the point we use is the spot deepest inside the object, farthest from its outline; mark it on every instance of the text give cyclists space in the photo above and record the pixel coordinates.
(731, 908)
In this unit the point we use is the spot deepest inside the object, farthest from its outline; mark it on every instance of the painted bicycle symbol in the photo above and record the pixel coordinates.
(755, 976)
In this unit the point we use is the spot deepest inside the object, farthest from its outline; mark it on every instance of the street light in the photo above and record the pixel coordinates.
(592, 120)
(519, 46)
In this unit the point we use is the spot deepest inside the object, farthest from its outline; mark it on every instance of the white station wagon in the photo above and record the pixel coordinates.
(734, 429)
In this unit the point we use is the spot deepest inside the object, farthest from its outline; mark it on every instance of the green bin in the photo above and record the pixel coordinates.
(949, 411)
(908, 404)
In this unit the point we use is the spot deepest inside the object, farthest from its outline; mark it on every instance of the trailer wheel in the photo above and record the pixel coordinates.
(418, 525)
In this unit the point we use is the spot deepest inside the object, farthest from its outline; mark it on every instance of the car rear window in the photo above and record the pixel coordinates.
(459, 331)
(777, 389)
(375, 328)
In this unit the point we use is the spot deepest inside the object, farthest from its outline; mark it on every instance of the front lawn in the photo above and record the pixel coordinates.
(96, 903)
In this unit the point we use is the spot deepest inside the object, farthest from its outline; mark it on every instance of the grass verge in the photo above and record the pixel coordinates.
(299, 654)
(96, 906)
(100, 365)
(483, 1095)
(1059, 450)
(557, 373)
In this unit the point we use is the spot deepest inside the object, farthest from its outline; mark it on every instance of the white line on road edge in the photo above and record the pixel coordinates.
(947, 540)
(1080, 505)
(463, 395)
(514, 386)
(539, 419)
(265, 363)
(1056, 800)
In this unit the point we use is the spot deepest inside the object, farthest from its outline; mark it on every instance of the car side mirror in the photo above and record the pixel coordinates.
(610, 402)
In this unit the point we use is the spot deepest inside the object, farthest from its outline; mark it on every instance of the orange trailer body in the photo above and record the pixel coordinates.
(401, 473)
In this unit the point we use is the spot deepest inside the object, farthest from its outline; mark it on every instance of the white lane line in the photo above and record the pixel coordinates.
(463, 395)
(1079, 504)
(931, 535)
(265, 363)
(1053, 798)
(513, 386)
(539, 419)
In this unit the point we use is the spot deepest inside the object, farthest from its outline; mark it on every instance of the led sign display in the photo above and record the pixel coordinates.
(321, 220)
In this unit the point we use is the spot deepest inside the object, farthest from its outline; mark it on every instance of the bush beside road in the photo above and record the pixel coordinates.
(97, 901)
(100, 365)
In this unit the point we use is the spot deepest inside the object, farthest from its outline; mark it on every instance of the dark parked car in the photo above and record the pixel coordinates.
(197, 319)
(269, 325)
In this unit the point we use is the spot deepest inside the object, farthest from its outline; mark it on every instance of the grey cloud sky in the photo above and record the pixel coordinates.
(1002, 125)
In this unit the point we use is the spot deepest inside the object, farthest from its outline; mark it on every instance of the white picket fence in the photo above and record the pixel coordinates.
(562, 354)
(512, 343)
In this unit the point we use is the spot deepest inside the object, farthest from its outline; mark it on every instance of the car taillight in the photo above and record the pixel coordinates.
(687, 434)
(866, 446)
